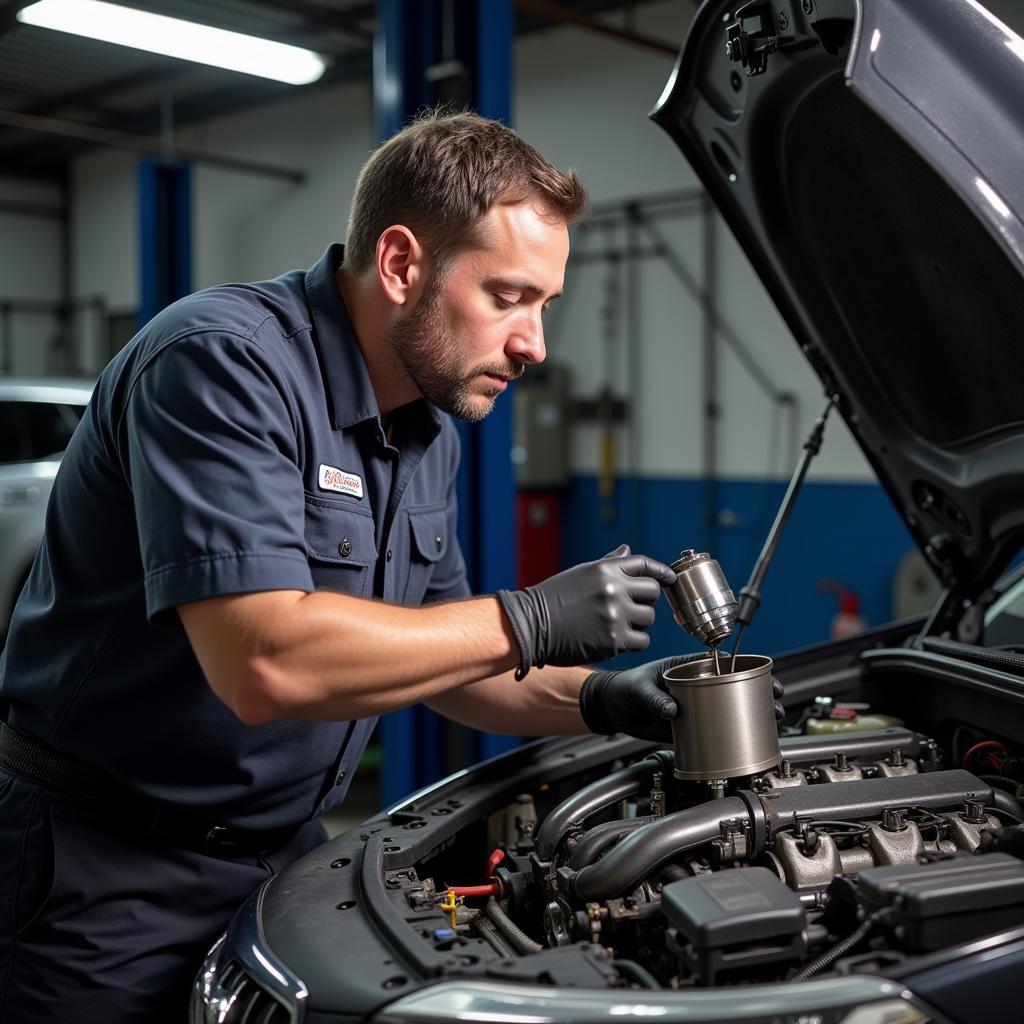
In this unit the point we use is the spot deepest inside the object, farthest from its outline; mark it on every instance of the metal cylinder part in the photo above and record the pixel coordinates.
(701, 600)
(726, 723)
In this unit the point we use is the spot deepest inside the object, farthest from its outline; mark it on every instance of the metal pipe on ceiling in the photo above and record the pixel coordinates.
(142, 144)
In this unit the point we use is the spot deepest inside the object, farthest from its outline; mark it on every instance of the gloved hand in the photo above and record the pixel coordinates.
(588, 613)
(632, 700)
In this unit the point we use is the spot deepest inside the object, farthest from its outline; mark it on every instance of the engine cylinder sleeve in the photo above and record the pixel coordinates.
(701, 599)
(726, 723)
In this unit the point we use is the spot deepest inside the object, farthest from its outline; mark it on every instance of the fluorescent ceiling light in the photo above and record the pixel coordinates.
(176, 38)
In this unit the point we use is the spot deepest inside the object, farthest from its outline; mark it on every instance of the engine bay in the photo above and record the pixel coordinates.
(859, 850)
(875, 841)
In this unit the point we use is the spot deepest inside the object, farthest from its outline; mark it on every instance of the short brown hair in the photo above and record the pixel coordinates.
(441, 174)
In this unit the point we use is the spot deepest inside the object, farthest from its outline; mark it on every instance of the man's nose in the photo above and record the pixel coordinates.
(527, 343)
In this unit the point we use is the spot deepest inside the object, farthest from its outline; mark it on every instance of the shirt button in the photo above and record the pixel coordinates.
(340, 779)
(345, 547)
(437, 540)
(388, 556)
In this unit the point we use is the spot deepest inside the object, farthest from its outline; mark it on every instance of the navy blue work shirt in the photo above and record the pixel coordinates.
(234, 445)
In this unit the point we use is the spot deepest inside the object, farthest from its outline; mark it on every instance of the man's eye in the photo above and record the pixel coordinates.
(504, 302)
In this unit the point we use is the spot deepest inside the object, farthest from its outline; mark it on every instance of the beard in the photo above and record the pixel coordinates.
(425, 344)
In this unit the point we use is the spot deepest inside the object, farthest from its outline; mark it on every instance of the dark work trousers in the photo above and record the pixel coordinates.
(99, 928)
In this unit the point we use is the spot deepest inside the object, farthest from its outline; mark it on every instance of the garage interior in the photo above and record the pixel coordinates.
(674, 403)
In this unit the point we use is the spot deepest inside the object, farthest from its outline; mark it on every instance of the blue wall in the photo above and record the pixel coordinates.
(846, 532)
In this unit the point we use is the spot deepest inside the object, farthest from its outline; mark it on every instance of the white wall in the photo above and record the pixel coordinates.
(30, 269)
(582, 100)
(249, 228)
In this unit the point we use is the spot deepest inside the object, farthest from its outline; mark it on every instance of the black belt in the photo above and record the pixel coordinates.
(139, 816)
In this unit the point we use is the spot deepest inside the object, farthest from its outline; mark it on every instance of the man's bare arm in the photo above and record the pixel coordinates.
(287, 654)
(545, 703)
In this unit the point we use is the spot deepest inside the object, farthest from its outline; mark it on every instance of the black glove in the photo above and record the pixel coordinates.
(632, 700)
(588, 613)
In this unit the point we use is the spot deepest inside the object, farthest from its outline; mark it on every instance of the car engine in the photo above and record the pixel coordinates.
(880, 850)
(860, 848)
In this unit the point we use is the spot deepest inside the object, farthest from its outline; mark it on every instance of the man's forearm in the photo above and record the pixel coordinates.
(545, 703)
(331, 656)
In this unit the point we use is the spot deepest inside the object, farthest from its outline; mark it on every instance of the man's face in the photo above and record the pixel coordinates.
(467, 338)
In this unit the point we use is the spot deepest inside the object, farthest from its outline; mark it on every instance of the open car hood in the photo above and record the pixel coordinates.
(867, 155)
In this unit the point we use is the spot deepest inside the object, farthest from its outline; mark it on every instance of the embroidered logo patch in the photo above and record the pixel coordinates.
(334, 479)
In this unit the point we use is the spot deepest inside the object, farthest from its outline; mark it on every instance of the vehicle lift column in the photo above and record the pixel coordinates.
(458, 52)
(165, 235)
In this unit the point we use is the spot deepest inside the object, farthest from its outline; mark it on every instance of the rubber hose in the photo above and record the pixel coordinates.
(588, 801)
(509, 929)
(649, 847)
(1007, 802)
(830, 956)
(636, 973)
(600, 837)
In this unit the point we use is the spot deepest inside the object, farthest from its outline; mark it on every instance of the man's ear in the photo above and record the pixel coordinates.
(401, 265)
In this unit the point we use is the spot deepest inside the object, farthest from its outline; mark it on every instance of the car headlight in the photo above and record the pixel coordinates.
(832, 1001)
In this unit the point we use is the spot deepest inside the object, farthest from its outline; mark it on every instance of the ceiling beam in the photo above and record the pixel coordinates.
(84, 98)
(143, 144)
(320, 19)
(217, 103)
(563, 14)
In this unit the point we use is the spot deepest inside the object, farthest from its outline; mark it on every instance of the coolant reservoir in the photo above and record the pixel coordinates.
(853, 722)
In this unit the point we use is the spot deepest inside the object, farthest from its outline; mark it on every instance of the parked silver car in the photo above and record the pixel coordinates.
(37, 418)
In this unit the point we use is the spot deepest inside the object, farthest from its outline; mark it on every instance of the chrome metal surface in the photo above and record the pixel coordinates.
(242, 981)
(865, 1000)
(701, 599)
(726, 723)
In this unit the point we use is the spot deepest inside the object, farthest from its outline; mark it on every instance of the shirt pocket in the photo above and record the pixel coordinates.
(341, 547)
(428, 528)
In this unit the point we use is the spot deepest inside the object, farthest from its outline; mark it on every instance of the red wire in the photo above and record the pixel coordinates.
(984, 745)
(474, 890)
(494, 889)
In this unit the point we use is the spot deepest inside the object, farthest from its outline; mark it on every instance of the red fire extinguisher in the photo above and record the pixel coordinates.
(848, 620)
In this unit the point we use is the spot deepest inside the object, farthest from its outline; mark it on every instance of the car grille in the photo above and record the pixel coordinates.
(249, 1003)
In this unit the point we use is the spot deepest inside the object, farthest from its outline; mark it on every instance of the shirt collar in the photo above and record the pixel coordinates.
(348, 379)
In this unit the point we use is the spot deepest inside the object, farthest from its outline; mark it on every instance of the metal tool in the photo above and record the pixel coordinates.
(701, 599)
(726, 722)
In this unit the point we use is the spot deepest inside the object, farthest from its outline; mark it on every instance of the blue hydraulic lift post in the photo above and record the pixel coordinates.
(407, 44)
(495, 551)
(165, 235)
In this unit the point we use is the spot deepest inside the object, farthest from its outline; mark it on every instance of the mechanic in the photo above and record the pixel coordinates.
(261, 488)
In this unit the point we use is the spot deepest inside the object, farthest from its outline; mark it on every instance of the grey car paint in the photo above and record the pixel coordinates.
(946, 78)
(25, 486)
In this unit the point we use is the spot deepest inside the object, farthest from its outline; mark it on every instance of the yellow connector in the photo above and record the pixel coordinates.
(450, 905)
